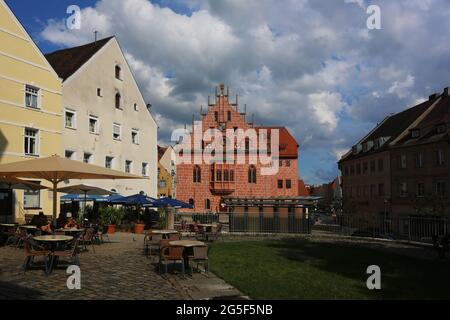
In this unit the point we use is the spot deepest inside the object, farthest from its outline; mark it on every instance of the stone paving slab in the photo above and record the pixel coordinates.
(116, 270)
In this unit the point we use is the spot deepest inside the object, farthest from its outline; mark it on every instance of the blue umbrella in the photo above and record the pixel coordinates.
(114, 197)
(174, 203)
(83, 198)
(138, 199)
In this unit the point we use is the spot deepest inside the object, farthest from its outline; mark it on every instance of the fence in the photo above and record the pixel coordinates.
(256, 225)
(420, 229)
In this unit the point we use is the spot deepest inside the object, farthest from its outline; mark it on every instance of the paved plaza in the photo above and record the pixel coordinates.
(116, 270)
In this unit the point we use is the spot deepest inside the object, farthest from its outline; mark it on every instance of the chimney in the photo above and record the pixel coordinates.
(434, 96)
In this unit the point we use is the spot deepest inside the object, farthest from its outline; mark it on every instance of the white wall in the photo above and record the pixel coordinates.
(80, 94)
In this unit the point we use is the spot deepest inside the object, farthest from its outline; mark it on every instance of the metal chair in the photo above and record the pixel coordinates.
(31, 253)
(88, 238)
(201, 257)
(72, 254)
(173, 255)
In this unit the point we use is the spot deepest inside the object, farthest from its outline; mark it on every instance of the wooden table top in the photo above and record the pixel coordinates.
(164, 231)
(70, 230)
(28, 227)
(7, 225)
(206, 225)
(53, 238)
(187, 243)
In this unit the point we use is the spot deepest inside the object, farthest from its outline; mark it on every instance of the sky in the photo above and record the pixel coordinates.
(310, 65)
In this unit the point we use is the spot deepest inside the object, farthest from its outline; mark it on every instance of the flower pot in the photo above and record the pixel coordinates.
(111, 228)
(139, 228)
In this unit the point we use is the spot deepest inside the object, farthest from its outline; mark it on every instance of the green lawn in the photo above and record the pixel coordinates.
(309, 270)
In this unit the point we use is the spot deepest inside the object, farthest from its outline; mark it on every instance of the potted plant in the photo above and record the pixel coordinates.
(139, 226)
(111, 217)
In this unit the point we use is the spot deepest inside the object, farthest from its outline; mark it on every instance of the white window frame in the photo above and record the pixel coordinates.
(99, 93)
(28, 90)
(38, 194)
(73, 154)
(36, 138)
(97, 126)
(90, 157)
(119, 138)
(74, 120)
(128, 164)
(112, 162)
(136, 107)
(144, 169)
(136, 131)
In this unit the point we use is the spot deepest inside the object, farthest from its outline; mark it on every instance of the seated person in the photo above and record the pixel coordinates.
(61, 221)
(70, 222)
(46, 229)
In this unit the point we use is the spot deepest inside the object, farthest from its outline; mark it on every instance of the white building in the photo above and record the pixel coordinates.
(106, 120)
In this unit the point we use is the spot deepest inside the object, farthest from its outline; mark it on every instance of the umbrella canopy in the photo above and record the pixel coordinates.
(86, 190)
(14, 183)
(81, 197)
(56, 169)
(112, 198)
(138, 199)
(174, 203)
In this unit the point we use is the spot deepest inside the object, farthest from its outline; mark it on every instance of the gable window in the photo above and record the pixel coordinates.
(288, 184)
(207, 204)
(99, 92)
(135, 136)
(229, 115)
(219, 175)
(441, 128)
(226, 176)
(70, 119)
(118, 72)
(145, 169)
(32, 97)
(252, 174)
(197, 174)
(232, 175)
(117, 131)
(118, 101)
(32, 198)
(31, 142)
(109, 162)
(415, 133)
(288, 163)
(128, 165)
(87, 157)
(280, 163)
(280, 184)
(93, 125)
(216, 116)
(68, 154)
(136, 108)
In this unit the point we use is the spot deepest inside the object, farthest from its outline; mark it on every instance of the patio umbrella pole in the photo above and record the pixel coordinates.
(55, 195)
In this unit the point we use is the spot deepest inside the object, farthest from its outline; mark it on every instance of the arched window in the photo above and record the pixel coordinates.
(192, 202)
(225, 175)
(207, 204)
(229, 115)
(247, 145)
(252, 174)
(118, 100)
(197, 174)
(232, 175)
(118, 72)
(216, 116)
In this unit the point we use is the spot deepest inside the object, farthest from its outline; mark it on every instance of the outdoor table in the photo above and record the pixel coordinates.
(75, 231)
(165, 233)
(51, 242)
(207, 228)
(29, 229)
(187, 244)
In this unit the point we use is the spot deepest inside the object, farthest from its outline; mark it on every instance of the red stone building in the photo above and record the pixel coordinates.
(205, 185)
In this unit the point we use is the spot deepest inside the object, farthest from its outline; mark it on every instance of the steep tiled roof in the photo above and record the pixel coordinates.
(161, 151)
(288, 144)
(67, 61)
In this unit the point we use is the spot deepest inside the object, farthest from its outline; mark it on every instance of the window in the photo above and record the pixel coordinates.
(229, 115)
(108, 162)
(226, 176)
(219, 175)
(381, 190)
(87, 157)
(403, 161)
(117, 131)
(144, 169)
(232, 175)
(380, 165)
(128, 165)
(247, 145)
(32, 97)
(162, 183)
(135, 136)
(403, 189)
(372, 166)
(288, 184)
(197, 174)
(415, 133)
(99, 92)
(93, 125)
(216, 116)
(441, 128)
(70, 118)
(118, 101)
(280, 163)
(440, 189)
(69, 154)
(136, 108)
(32, 198)
(288, 163)
(192, 202)
(419, 160)
(207, 204)
(118, 72)
(439, 159)
(252, 174)
(420, 190)
(280, 184)
(31, 142)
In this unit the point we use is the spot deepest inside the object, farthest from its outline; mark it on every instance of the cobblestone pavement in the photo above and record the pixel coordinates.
(116, 270)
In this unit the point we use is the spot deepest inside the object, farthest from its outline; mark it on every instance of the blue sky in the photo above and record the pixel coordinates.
(312, 66)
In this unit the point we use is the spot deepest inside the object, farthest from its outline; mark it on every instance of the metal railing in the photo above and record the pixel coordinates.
(258, 225)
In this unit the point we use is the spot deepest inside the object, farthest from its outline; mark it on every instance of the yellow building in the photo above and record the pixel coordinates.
(165, 182)
(31, 112)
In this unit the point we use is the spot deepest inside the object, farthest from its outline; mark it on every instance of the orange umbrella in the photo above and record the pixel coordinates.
(56, 169)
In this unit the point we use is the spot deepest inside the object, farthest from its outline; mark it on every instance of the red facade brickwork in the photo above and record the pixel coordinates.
(207, 192)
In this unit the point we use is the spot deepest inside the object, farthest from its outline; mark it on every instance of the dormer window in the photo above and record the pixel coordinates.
(118, 70)
(441, 128)
(415, 133)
